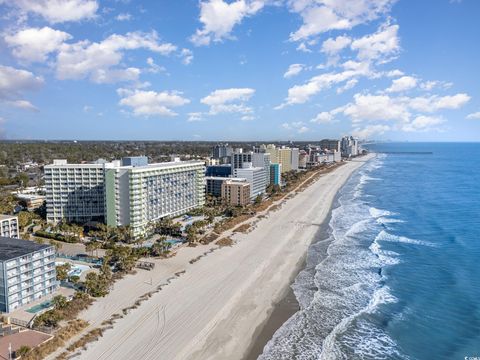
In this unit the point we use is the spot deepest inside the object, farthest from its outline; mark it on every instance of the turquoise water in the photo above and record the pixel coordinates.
(39, 307)
(397, 275)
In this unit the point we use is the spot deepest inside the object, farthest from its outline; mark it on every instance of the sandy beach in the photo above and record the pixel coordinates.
(214, 308)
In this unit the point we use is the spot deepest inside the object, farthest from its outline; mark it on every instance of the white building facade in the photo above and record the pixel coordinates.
(255, 177)
(9, 226)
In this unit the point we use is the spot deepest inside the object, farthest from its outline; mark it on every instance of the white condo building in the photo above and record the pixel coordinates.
(9, 226)
(138, 195)
(128, 192)
(255, 177)
(75, 192)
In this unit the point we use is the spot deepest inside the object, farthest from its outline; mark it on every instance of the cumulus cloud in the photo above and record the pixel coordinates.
(371, 50)
(332, 46)
(423, 123)
(434, 103)
(124, 17)
(219, 17)
(320, 16)
(194, 116)
(323, 118)
(379, 46)
(229, 100)
(151, 103)
(376, 107)
(370, 130)
(57, 11)
(403, 84)
(14, 82)
(297, 126)
(187, 56)
(293, 70)
(34, 44)
(300, 94)
(474, 116)
(98, 60)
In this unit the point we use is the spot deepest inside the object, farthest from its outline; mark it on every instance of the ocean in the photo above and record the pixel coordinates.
(397, 273)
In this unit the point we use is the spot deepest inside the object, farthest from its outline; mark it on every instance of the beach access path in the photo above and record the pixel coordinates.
(212, 307)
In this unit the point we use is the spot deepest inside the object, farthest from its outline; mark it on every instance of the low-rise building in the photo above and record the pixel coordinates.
(213, 185)
(9, 226)
(236, 192)
(27, 272)
(31, 201)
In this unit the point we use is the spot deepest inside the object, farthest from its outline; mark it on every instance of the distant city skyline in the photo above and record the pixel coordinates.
(251, 70)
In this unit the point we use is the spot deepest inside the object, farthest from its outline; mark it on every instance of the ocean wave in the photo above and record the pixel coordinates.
(385, 220)
(378, 213)
(387, 237)
(330, 348)
(384, 256)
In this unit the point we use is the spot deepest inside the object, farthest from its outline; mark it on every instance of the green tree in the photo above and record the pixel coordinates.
(22, 351)
(62, 271)
(96, 285)
(59, 302)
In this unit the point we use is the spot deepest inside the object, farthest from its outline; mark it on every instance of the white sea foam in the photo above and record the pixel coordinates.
(384, 256)
(377, 213)
(330, 350)
(386, 220)
(387, 237)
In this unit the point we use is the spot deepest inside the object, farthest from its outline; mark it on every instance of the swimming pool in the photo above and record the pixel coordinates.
(76, 269)
(37, 308)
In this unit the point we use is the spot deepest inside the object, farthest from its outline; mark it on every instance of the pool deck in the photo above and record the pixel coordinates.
(22, 313)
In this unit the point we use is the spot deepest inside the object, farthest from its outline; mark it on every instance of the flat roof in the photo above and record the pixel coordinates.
(5, 217)
(11, 248)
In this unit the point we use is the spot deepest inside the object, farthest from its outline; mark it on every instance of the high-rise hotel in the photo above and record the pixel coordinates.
(127, 192)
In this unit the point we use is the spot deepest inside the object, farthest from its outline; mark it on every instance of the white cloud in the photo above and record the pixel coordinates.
(57, 11)
(403, 84)
(474, 116)
(378, 46)
(194, 116)
(422, 123)
(376, 107)
(320, 16)
(297, 126)
(34, 44)
(302, 47)
(300, 94)
(350, 84)
(219, 18)
(97, 61)
(247, 118)
(229, 100)
(187, 56)
(323, 118)
(332, 46)
(151, 103)
(293, 70)
(435, 102)
(370, 130)
(153, 67)
(14, 82)
(22, 104)
(124, 17)
(394, 73)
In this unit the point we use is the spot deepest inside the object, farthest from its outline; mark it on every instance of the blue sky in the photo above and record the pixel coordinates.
(240, 70)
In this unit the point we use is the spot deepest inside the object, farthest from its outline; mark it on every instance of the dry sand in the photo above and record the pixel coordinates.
(213, 309)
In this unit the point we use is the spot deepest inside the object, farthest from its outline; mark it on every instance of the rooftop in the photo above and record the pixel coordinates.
(5, 217)
(11, 248)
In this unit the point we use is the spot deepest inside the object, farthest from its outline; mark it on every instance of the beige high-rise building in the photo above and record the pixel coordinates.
(282, 156)
(236, 192)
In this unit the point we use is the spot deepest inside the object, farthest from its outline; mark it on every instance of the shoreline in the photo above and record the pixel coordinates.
(288, 306)
(212, 308)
